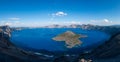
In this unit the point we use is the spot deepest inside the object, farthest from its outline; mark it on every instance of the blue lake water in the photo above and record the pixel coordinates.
(41, 38)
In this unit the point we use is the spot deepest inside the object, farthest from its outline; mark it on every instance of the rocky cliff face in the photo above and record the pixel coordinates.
(107, 52)
(10, 53)
(109, 49)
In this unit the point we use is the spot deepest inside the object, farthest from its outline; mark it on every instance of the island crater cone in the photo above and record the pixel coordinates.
(70, 38)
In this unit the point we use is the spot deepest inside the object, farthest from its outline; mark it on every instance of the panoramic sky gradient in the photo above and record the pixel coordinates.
(35, 13)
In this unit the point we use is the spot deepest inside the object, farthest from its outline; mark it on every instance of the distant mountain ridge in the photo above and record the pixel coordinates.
(66, 26)
(112, 29)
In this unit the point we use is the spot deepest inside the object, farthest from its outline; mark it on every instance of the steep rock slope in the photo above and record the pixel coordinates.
(107, 52)
(10, 53)
(109, 49)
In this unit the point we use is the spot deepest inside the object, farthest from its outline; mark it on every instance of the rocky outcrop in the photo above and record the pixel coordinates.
(10, 53)
(109, 49)
(107, 52)
(70, 38)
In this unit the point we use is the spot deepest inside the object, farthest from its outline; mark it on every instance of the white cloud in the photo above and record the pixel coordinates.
(14, 18)
(72, 22)
(101, 22)
(107, 21)
(11, 23)
(8, 23)
(62, 22)
(60, 13)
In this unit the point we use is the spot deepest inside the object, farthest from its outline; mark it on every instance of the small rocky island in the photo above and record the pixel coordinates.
(70, 38)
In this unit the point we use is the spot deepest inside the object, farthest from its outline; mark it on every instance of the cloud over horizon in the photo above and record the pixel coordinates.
(18, 23)
(107, 21)
(14, 18)
(14, 21)
(101, 22)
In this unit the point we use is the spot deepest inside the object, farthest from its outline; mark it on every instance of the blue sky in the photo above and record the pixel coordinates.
(35, 13)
